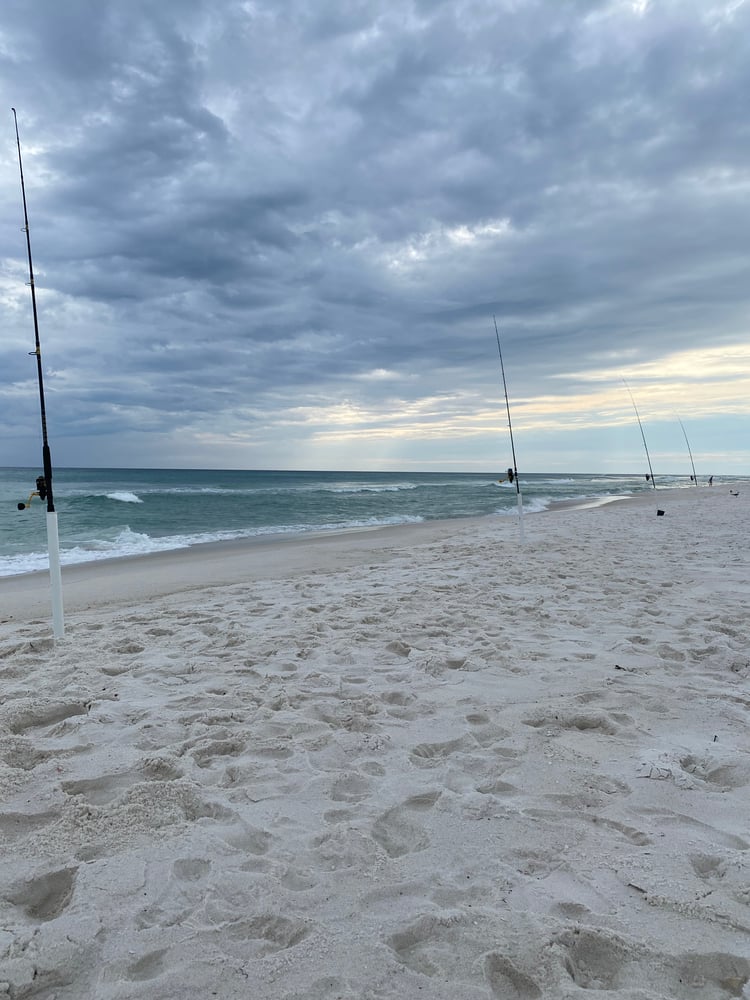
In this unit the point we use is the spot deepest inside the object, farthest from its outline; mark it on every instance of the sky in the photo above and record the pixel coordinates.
(274, 234)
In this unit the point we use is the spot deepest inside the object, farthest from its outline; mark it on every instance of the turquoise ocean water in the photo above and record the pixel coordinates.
(104, 513)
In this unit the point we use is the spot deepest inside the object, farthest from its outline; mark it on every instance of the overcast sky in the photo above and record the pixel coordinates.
(274, 233)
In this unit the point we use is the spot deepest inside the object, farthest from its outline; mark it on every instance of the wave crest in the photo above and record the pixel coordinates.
(124, 497)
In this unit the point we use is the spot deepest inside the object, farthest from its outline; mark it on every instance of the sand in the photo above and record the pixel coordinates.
(415, 763)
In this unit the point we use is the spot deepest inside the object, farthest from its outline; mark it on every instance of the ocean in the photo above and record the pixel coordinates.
(106, 513)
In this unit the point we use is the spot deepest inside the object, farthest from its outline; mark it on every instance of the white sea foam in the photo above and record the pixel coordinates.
(533, 506)
(27, 562)
(124, 497)
(128, 543)
(368, 488)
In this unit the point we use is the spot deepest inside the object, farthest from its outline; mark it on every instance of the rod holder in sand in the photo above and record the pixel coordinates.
(55, 577)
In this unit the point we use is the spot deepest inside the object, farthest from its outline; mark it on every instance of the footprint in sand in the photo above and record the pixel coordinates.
(40, 716)
(423, 944)
(350, 788)
(708, 866)
(298, 880)
(399, 704)
(488, 734)
(256, 936)
(496, 787)
(728, 771)
(16, 824)
(630, 833)
(395, 830)
(128, 648)
(714, 834)
(584, 722)
(727, 871)
(601, 960)
(246, 838)
(191, 869)
(44, 897)
(638, 640)
(161, 767)
(506, 981)
(667, 652)
(399, 648)
(99, 791)
(458, 949)
(205, 754)
(180, 898)
(148, 967)
(19, 752)
(30, 647)
(429, 754)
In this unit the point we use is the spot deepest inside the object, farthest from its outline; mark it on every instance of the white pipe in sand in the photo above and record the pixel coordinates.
(55, 576)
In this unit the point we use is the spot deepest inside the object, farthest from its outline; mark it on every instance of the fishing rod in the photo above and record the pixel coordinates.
(645, 446)
(43, 482)
(512, 473)
(692, 463)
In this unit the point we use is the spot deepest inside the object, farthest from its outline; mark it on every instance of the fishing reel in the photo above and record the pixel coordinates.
(40, 491)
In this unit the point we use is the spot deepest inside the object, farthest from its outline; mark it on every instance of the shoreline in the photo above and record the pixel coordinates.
(293, 537)
(215, 564)
(110, 581)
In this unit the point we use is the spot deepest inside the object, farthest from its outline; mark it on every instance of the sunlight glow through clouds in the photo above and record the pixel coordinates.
(729, 362)
(441, 241)
(707, 382)
(701, 383)
(382, 375)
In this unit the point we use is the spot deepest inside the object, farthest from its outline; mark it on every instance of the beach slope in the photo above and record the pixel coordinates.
(424, 762)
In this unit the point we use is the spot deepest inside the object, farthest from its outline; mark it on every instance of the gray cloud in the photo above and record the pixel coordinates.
(241, 209)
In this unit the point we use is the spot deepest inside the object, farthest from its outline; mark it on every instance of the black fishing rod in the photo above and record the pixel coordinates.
(645, 446)
(512, 473)
(43, 482)
(692, 463)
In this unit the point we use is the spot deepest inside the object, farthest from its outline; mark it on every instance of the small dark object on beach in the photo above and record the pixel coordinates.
(660, 513)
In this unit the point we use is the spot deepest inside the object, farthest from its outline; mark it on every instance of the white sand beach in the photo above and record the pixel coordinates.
(419, 762)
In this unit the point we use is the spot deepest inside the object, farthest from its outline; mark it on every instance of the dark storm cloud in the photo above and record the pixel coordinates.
(252, 206)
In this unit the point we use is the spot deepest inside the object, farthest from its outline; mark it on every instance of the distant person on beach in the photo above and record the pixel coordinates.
(710, 480)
